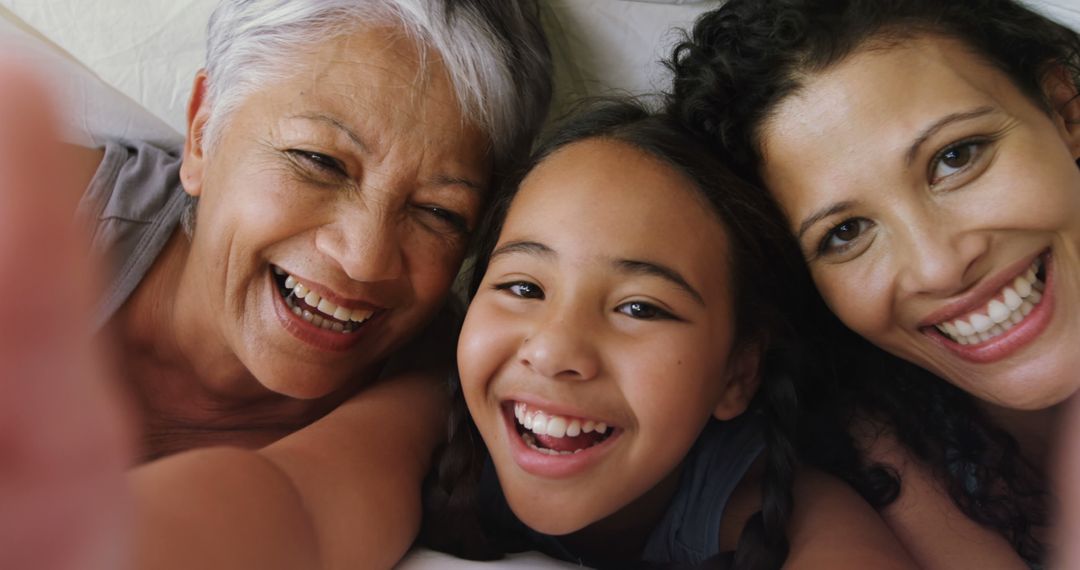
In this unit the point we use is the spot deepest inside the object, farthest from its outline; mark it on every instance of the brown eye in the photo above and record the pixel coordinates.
(846, 231)
(955, 159)
(841, 237)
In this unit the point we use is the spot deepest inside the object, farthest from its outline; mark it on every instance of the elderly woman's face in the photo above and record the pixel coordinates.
(334, 213)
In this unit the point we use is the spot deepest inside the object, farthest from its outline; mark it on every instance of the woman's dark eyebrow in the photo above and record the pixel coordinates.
(819, 215)
(661, 271)
(529, 247)
(940, 124)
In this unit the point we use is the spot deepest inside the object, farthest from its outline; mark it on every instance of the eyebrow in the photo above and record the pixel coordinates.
(528, 247)
(940, 124)
(819, 215)
(632, 266)
(657, 270)
(337, 124)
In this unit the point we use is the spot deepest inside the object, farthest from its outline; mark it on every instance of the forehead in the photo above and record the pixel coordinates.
(877, 101)
(375, 78)
(603, 198)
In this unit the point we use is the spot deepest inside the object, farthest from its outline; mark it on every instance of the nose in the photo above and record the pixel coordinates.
(562, 348)
(365, 243)
(943, 258)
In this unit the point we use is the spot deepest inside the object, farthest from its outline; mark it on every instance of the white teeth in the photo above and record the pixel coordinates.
(1012, 299)
(324, 306)
(278, 271)
(539, 426)
(361, 315)
(308, 316)
(297, 311)
(964, 328)
(981, 323)
(556, 426)
(552, 425)
(1022, 286)
(1000, 314)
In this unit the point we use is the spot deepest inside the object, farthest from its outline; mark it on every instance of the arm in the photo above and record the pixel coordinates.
(833, 527)
(930, 525)
(342, 493)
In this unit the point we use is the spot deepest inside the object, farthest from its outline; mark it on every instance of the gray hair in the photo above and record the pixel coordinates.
(494, 52)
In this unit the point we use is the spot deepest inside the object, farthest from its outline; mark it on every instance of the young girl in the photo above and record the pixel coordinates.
(924, 153)
(626, 310)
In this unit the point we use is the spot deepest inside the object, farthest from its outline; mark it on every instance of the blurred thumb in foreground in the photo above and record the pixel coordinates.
(64, 439)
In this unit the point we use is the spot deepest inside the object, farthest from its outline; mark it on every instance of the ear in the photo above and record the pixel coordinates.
(1061, 92)
(193, 166)
(743, 379)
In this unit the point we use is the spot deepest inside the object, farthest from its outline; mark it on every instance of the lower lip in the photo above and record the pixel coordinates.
(317, 337)
(552, 466)
(1014, 339)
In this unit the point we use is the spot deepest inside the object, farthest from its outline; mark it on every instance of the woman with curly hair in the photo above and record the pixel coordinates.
(924, 155)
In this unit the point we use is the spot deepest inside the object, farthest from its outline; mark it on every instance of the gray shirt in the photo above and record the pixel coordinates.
(133, 205)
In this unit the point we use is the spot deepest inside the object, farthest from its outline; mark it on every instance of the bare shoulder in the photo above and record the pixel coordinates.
(833, 527)
(925, 518)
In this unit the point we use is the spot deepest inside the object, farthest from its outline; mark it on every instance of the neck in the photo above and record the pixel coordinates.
(620, 537)
(1035, 431)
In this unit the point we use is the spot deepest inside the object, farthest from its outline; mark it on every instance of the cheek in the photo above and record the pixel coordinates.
(859, 293)
(486, 344)
(433, 262)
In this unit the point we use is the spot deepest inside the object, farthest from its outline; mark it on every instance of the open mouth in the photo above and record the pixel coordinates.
(554, 434)
(1008, 308)
(311, 307)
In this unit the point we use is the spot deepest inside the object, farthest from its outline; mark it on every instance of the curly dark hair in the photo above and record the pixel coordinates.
(763, 262)
(731, 72)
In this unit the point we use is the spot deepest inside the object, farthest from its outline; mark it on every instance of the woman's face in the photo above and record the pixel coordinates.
(600, 339)
(939, 209)
(333, 214)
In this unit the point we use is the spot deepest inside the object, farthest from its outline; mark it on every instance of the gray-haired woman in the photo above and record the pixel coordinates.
(338, 156)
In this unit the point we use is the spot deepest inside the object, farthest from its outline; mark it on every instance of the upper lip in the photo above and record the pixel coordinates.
(978, 296)
(334, 297)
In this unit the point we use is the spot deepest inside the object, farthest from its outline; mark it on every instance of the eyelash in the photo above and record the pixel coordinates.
(511, 285)
(977, 147)
(658, 314)
(456, 221)
(654, 313)
(329, 165)
(321, 162)
(824, 247)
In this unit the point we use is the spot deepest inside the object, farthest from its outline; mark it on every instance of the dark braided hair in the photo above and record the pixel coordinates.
(736, 66)
(764, 262)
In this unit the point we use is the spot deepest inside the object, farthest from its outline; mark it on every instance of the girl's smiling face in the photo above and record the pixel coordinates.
(939, 209)
(601, 338)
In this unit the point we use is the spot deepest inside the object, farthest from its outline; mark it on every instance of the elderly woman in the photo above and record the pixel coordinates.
(337, 159)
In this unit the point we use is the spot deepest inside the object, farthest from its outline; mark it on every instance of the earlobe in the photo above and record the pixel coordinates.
(743, 379)
(192, 168)
(1064, 98)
